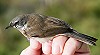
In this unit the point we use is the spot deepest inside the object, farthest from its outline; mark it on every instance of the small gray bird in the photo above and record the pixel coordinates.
(44, 28)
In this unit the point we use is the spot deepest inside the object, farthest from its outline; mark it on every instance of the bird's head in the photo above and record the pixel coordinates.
(18, 22)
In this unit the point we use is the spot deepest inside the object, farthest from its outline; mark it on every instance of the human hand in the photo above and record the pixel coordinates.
(65, 46)
(59, 46)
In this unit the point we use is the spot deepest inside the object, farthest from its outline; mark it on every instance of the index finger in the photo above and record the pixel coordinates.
(71, 46)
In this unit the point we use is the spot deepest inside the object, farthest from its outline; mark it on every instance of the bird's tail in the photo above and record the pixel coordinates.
(83, 38)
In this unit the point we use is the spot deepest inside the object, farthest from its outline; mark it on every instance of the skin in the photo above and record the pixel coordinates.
(58, 46)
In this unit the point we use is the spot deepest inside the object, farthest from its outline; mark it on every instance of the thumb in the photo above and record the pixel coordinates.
(33, 49)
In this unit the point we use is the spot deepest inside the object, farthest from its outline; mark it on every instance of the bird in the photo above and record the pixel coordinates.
(43, 28)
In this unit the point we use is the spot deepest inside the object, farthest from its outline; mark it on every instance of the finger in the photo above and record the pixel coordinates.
(58, 44)
(35, 44)
(33, 49)
(29, 51)
(84, 50)
(47, 47)
(71, 46)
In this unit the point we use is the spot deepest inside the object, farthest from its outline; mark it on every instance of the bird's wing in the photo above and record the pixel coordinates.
(51, 21)
(54, 26)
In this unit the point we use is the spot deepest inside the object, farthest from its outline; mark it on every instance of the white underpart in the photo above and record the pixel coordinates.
(42, 40)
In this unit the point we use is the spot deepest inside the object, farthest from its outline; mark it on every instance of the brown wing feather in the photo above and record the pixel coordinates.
(52, 22)
(54, 26)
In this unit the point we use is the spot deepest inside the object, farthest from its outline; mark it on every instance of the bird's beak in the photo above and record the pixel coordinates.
(8, 27)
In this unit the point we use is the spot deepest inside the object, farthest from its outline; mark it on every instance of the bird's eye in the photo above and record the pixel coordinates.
(16, 23)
